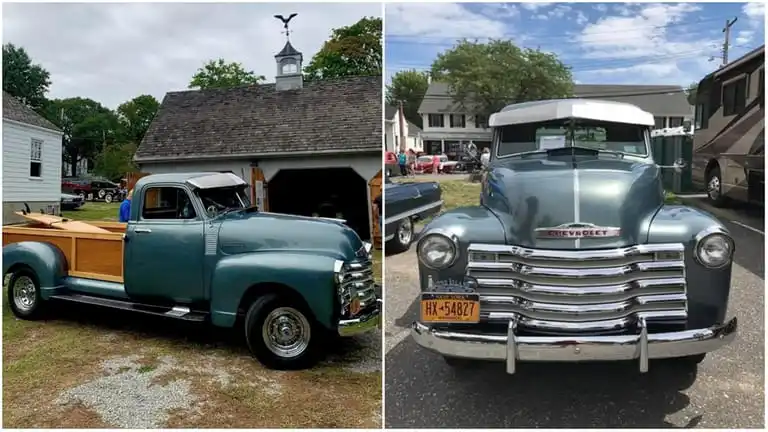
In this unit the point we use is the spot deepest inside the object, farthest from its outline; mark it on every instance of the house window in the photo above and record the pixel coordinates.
(481, 122)
(675, 122)
(436, 121)
(458, 121)
(167, 203)
(658, 122)
(36, 158)
(734, 96)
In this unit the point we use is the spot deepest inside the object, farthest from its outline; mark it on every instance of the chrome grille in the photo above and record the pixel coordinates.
(357, 280)
(593, 290)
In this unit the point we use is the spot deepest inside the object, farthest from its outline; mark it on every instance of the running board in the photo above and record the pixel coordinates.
(178, 312)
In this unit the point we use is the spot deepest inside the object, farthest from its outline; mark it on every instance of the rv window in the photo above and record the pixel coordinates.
(675, 122)
(761, 88)
(734, 96)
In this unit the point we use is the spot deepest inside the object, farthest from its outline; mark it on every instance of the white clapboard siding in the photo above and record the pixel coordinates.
(17, 184)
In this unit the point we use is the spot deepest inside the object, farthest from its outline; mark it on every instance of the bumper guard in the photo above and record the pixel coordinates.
(365, 322)
(512, 348)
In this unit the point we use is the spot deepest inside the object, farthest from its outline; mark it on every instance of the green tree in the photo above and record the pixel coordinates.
(22, 79)
(114, 161)
(354, 50)
(408, 86)
(88, 127)
(135, 116)
(690, 93)
(485, 77)
(220, 74)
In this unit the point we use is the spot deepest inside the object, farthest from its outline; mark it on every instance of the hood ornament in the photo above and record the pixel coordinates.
(577, 230)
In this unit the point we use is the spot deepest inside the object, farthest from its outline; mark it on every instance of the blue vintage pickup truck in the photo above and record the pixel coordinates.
(195, 249)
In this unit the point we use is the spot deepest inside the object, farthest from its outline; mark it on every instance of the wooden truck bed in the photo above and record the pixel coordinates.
(92, 255)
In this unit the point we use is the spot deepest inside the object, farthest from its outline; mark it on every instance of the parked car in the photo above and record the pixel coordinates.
(71, 202)
(194, 249)
(425, 165)
(90, 188)
(404, 205)
(392, 169)
(572, 254)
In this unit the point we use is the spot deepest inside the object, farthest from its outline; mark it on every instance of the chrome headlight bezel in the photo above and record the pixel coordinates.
(450, 240)
(709, 234)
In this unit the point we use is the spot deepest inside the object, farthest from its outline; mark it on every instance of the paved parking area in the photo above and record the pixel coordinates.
(728, 391)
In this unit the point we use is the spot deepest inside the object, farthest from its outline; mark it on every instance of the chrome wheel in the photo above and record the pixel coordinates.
(405, 232)
(24, 294)
(286, 332)
(713, 188)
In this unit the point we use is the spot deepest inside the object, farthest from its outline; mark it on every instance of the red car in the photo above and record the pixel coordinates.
(425, 165)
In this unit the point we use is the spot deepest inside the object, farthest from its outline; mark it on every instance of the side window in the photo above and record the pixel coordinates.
(734, 96)
(167, 202)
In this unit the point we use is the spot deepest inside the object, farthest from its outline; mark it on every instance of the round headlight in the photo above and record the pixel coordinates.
(714, 250)
(437, 251)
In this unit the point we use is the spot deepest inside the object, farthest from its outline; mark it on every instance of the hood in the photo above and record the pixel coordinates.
(243, 232)
(536, 199)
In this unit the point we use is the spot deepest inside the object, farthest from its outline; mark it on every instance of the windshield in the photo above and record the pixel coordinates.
(218, 200)
(598, 135)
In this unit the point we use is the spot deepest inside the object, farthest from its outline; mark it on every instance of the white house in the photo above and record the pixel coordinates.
(31, 161)
(412, 133)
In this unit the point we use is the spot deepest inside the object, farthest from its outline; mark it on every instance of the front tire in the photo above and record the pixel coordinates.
(108, 198)
(715, 187)
(403, 237)
(24, 295)
(282, 334)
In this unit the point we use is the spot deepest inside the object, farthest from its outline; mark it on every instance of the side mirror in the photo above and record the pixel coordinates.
(687, 126)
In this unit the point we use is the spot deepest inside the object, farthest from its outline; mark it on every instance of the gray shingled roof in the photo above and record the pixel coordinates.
(288, 50)
(337, 116)
(413, 130)
(390, 112)
(659, 104)
(13, 109)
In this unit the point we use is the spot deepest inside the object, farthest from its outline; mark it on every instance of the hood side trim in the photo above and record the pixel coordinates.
(576, 205)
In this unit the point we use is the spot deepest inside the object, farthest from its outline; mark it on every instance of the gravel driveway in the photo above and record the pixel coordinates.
(728, 392)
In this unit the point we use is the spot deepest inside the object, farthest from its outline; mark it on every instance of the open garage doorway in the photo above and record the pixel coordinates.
(327, 192)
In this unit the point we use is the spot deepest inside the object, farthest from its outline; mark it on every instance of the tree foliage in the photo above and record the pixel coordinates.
(354, 50)
(114, 161)
(135, 116)
(485, 77)
(690, 93)
(22, 79)
(220, 74)
(408, 86)
(88, 127)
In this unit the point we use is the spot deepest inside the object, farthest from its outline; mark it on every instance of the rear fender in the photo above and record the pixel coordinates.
(46, 260)
(309, 275)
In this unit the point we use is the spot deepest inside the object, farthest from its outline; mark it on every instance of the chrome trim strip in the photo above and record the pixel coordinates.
(565, 293)
(527, 270)
(511, 348)
(615, 323)
(562, 255)
(576, 204)
(412, 212)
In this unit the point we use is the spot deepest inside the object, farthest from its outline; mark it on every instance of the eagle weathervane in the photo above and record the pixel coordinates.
(285, 23)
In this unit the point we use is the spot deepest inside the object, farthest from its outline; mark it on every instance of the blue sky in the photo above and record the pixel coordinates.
(604, 43)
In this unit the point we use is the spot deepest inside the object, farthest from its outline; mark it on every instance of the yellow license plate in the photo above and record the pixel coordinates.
(450, 308)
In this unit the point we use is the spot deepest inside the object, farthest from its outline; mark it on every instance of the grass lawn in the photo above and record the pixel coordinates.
(83, 363)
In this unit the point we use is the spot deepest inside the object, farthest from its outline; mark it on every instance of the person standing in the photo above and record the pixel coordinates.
(125, 208)
(377, 209)
(485, 158)
(402, 160)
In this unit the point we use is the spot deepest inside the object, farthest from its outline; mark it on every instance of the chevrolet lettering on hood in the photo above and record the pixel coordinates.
(575, 253)
(578, 231)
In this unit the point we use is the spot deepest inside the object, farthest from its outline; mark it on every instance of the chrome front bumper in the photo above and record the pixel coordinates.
(513, 348)
(365, 322)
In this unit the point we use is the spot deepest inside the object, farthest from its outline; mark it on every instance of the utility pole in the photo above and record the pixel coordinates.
(726, 42)
(402, 125)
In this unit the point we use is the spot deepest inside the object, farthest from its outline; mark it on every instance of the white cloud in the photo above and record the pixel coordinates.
(534, 6)
(542, 17)
(581, 18)
(447, 20)
(601, 7)
(500, 10)
(112, 52)
(655, 70)
(755, 13)
(559, 11)
(744, 37)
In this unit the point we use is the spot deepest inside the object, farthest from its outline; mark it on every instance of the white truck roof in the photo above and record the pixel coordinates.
(592, 109)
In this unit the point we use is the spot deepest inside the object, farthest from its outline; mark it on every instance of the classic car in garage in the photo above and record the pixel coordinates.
(572, 254)
(406, 203)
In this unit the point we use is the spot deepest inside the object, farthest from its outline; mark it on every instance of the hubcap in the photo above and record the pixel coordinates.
(286, 332)
(24, 294)
(405, 232)
(714, 187)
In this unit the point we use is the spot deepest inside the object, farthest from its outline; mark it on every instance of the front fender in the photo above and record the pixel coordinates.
(467, 225)
(310, 275)
(708, 289)
(46, 260)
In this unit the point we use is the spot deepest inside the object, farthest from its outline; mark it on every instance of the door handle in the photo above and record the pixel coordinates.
(142, 230)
